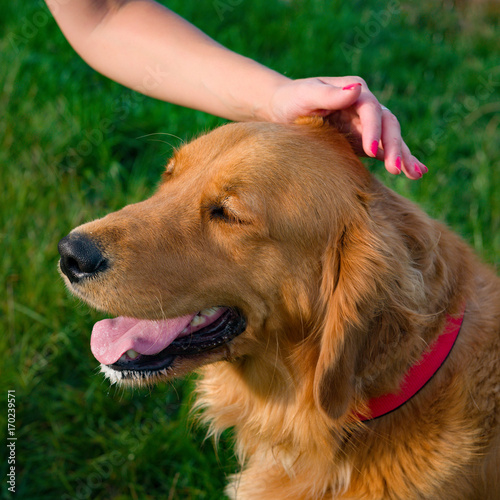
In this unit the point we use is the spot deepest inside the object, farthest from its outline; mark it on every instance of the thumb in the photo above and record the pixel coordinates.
(312, 96)
(324, 96)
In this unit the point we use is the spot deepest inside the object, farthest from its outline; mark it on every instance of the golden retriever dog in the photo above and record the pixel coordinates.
(351, 342)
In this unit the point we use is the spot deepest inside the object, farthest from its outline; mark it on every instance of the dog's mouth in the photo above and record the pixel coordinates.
(134, 347)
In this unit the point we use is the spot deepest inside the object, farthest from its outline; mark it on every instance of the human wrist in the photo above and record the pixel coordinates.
(257, 88)
(266, 110)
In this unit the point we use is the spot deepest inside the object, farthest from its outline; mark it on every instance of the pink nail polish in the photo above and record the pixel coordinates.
(419, 172)
(374, 148)
(398, 163)
(351, 86)
(424, 168)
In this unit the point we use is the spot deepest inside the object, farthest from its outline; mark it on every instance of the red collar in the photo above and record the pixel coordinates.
(420, 373)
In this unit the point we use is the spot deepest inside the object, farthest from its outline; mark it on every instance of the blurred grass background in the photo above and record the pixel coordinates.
(74, 146)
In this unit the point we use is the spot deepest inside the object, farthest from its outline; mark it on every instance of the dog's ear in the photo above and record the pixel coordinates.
(356, 285)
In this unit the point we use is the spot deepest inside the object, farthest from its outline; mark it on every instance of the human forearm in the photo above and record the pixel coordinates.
(146, 47)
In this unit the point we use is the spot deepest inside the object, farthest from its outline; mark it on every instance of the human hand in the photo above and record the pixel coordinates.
(373, 129)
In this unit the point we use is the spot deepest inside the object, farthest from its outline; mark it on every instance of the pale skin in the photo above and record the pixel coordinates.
(148, 48)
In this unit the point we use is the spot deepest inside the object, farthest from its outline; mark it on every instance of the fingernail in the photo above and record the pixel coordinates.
(424, 168)
(351, 86)
(419, 172)
(374, 148)
(398, 163)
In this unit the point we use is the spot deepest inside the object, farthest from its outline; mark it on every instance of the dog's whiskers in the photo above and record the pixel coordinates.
(148, 136)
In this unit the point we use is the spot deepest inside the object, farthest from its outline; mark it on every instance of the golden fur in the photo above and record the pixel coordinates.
(343, 284)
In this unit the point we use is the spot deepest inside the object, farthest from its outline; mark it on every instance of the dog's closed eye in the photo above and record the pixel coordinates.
(222, 211)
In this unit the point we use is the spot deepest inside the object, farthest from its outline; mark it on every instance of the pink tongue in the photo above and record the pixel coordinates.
(111, 338)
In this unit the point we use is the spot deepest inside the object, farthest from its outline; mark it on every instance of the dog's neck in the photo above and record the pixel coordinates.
(289, 429)
(419, 374)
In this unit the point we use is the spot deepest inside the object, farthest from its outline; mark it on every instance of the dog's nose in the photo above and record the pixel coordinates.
(80, 257)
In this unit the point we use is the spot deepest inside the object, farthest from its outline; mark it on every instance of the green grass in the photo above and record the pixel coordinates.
(75, 146)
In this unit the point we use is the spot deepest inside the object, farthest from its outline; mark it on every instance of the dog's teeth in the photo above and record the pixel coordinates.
(197, 320)
(209, 312)
(132, 354)
(202, 317)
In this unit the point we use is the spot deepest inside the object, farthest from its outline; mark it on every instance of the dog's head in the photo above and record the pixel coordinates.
(258, 240)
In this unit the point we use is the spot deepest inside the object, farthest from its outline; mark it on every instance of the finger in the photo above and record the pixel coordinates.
(412, 168)
(391, 142)
(411, 161)
(370, 116)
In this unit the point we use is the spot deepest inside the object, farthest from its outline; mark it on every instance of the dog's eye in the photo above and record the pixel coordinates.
(220, 211)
